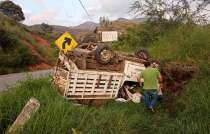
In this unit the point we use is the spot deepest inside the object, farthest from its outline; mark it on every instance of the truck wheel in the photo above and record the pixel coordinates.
(142, 54)
(104, 54)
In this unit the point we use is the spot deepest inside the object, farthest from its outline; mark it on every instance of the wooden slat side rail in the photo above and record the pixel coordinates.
(113, 88)
(75, 82)
(105, 86)
(86, 76)
(83, 84)
(67, 84)
(94, 84)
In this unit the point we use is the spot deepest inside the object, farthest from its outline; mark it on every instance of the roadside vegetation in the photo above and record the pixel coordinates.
(187, 113)
(57, 115)
(19, 49)
(185, 45)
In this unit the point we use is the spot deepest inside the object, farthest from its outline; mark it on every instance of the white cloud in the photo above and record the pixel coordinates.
(110, 8)
(47, 16)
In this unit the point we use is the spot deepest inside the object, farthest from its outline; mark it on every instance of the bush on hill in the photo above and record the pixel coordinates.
(143, 35)
(12, 53)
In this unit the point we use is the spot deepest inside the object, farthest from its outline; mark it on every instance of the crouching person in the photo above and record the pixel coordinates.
(150, 76)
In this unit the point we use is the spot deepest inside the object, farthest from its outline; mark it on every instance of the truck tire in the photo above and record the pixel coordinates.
(104, 54)
(142, 54)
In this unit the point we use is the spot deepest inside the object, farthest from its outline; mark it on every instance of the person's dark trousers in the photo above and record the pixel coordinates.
(150, 98)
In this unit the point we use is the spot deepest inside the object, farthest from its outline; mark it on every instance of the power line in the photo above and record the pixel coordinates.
(85, 9)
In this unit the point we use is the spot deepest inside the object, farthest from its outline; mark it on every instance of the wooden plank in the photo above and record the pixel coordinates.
(75, 81)
(90, 93)
(73, 97)
(94, 83)
(91, 86)
(97, 72)
(119, 85)
(113, 87)
(79, 80)
(90, 90)
(67, 84)
(90, 98)
(90, 77)
(84, 88)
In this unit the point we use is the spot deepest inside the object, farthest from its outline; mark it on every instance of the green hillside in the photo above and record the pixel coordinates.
(21, 50)
(189, 45)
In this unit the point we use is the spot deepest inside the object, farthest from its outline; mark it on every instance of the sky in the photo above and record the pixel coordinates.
(70, 12)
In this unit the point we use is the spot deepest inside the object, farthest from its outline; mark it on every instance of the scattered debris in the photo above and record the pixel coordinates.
(41, 66)
(121, 100)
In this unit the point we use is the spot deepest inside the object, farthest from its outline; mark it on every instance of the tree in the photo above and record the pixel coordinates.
(12, 10)
(104, 21)
(46, 28)
(195, 11)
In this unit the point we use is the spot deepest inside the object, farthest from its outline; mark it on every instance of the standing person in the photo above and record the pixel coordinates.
(151, 76)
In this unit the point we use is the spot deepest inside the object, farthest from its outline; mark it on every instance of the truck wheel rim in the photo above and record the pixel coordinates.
(106, 55)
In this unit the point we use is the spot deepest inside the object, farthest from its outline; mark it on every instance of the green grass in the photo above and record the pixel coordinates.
(185, 44)
(57, 115)
(188, 114)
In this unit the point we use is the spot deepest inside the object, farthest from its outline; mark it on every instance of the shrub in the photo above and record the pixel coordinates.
(13, 53)
(7, 40)
(143, 35)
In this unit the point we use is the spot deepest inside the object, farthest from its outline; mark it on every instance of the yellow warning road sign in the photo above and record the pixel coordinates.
(66, 42)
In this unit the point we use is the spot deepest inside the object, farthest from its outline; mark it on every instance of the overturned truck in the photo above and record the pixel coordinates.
(95, 71)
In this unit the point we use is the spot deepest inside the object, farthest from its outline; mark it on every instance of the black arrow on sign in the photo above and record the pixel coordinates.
(66, 41)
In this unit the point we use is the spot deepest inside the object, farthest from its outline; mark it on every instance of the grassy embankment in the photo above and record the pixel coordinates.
(191, 109)
(19, 49)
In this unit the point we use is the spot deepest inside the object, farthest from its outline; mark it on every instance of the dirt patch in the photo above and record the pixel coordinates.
(40, 61)
(175, 76)
(41, 66)
(40, 40)
(38, 57)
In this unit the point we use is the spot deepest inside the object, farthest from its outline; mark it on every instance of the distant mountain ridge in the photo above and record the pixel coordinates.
(90, 25)
(85, 29)
(86, 25)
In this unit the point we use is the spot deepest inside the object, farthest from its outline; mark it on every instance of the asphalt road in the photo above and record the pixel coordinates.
(11, 79)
